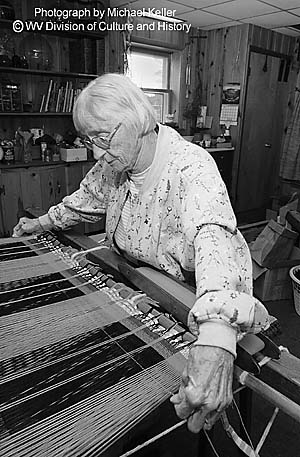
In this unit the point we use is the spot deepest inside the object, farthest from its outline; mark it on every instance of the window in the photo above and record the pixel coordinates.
(150, 70)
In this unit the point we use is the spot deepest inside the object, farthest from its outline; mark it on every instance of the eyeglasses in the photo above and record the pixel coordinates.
(102, 140)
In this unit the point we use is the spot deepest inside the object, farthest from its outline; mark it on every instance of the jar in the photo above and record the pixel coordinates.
(8, 152)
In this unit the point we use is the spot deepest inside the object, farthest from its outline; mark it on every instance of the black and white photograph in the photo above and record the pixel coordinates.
(149, 228)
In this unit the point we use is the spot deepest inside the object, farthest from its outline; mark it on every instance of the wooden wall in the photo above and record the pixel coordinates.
(222, 58)
(174, 40)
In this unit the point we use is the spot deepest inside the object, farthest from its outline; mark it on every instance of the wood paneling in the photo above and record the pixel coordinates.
(11, 204)
(223, 57)
(38, 188)
(273, 41)
(114, 53)
(165, 38)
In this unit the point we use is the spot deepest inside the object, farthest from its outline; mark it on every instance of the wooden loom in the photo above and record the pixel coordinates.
(75, 345)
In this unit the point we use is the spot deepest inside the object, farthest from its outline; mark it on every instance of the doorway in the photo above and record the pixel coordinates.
(263, 126)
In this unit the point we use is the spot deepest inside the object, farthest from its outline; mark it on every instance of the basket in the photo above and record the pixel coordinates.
(296, 287)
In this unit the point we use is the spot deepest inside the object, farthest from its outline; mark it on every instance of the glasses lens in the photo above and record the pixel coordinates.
(101, 142)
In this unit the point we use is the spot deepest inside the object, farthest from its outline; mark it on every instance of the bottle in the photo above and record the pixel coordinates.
(43, 149)
(55, 156)
(47, 155)
(8, 150)
(27, 154)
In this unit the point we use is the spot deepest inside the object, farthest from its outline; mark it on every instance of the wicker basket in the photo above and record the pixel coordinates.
(296, 287)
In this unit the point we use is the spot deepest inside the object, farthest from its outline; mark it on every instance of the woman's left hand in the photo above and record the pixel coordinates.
(206, 388)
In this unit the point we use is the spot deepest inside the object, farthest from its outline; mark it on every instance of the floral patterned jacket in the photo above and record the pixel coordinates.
(181, 222)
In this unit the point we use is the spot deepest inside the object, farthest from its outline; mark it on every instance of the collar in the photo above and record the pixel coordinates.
(165, 140)
(162, 152)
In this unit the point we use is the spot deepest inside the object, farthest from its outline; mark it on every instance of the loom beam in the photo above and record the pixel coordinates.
(283, 375)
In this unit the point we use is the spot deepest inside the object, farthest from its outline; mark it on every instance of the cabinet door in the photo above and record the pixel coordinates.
(11, 202)
(86, 167)
(31, 189)
(74, 175)
(224, 160)
(52, 185)
(59, 183)
(47, 188)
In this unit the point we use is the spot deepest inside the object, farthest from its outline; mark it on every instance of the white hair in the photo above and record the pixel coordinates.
(113, 96)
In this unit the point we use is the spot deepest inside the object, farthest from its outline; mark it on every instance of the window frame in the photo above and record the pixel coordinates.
(168, 92)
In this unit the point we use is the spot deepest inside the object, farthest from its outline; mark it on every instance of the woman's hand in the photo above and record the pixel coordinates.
(206, 388)
(27, 226)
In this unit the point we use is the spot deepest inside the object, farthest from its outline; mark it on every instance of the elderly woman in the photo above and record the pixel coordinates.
(166, 205)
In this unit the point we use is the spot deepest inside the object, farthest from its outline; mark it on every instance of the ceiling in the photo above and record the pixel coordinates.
(280, 15)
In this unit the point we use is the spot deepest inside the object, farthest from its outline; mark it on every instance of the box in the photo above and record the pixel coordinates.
(73, 154)
(275, 283)
(274, 243)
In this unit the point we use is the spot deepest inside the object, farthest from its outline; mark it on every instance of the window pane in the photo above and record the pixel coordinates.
(157, 101)
(149, 70)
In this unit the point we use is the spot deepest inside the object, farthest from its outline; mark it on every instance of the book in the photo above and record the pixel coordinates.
(46, 106)
(66, 90)
(58, 100)
(71, 100)
(52, 98)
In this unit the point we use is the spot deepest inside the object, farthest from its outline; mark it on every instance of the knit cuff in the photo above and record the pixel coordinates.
(45, 222)
(218, 334)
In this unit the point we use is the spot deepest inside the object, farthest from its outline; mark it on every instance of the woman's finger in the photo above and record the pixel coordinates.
(196, 420)
(17, 231)
(211, 419)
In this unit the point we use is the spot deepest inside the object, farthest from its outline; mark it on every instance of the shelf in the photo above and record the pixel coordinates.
(219, 149)
(40, 163)
(47, 73)
(21, 113)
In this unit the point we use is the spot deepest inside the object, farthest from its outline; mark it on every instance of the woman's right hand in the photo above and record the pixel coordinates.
(27, 226)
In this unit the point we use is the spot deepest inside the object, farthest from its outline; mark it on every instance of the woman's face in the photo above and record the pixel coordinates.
(124, 146)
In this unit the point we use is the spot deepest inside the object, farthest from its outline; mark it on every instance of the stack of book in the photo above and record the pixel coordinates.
(59, 98)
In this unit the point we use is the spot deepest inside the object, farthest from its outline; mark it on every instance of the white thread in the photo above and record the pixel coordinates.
(211, 444)
(155, 438)
(87, 251)
(267, 430)
(242, 422)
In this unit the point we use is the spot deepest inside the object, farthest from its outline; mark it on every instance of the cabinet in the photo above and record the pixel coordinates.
(42, 72)
(42, 187)
(37, 188)
(224, 161)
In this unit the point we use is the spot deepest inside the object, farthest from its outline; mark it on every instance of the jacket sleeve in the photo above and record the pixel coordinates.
(225, 309)
(87, 204)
